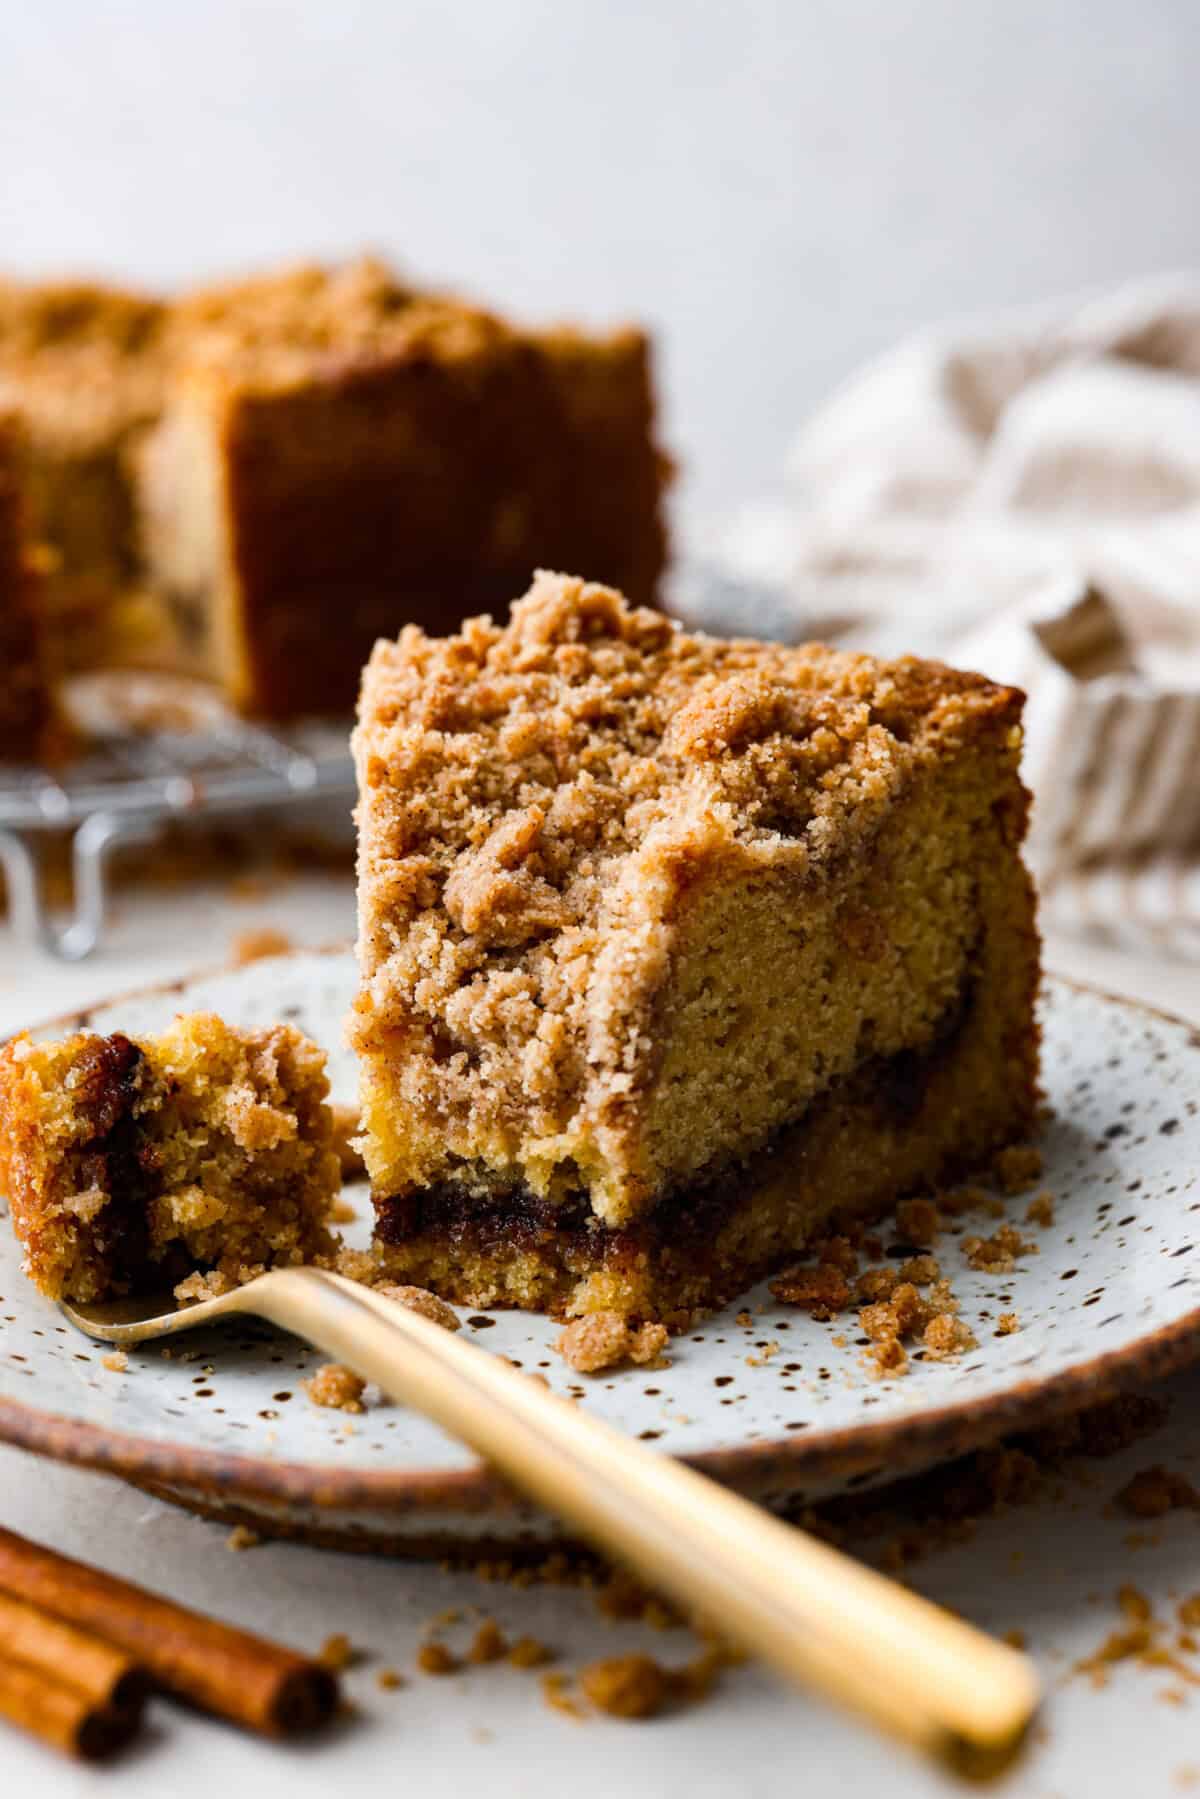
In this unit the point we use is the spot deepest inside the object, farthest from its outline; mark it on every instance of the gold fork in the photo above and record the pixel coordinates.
(818, 1617)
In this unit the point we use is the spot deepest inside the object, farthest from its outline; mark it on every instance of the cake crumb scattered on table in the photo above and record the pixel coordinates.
(947, 1336)
(256, 944)
(338, 1387)
(242, 1537)
(342, 1212)
(489, 1643)
(529, 1652)
(435, 1658)
(116, 1361)
(389, 1680)
(1153, 1492)
(1040, 1210)
(556, 1693)
(336, 1653)
(420, 1299)
(1007, 1323)
(822, 1290)
(998, 1253)
(626, 1686)
(606, 1339)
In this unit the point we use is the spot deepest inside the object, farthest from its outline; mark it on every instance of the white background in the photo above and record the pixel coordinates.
(783, 188)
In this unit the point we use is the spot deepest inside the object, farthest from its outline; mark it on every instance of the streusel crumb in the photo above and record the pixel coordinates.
(606, 1339)
(626, 1686)
(336, 1653)
(1041, 1210)
(822, 1291)
(947, 1336)
(998, 1253)
(338, 1387)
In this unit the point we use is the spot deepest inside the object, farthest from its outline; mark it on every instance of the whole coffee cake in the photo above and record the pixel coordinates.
(253, 481)
(191, 1160)
(672, 948)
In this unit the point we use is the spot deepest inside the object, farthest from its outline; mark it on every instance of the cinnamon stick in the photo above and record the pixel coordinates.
(105, 1676)
(62, 1715)
(211, 1665)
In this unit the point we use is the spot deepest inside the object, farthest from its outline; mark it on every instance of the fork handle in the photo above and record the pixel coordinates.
(819, 1617)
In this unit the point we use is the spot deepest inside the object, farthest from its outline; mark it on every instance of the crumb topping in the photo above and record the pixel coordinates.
(606, 1339)
(338, 1387)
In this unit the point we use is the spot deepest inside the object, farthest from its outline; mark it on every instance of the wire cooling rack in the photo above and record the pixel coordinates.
(134, 777)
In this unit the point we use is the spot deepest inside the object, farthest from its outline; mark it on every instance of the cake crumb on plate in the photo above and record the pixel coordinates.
(338, 1387)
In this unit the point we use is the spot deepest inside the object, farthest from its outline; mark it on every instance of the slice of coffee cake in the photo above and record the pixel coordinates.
(671, 949)
(194, 1159)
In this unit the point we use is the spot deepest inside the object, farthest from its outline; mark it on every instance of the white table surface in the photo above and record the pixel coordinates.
(1050, 1569)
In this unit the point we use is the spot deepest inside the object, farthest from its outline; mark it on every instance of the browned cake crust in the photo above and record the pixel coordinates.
(256, 480)
(195, 1159)
(672, 948)
(377, 457)
(25, 705)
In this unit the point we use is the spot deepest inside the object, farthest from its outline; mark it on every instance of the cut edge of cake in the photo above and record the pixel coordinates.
(585, 1083)
(192, 1160)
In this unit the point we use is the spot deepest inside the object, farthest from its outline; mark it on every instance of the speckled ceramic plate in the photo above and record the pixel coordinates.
(1113, 1295)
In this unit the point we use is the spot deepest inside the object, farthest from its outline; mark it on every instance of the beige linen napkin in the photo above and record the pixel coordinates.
(1025, 499)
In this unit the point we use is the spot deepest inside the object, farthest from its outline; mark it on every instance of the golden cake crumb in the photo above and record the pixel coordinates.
(389, 1680)
(887, 1358)
(528, 1652)
(338, 1387)
(242, 1537)
(1007, 1323)
(922, 1271)
(606, 1339)
(489, 1643)
(875, 1285)
(1041, 1210)
(435, 1658)
(626, 1686)
(116, 1361)
(555, 1692)
(822, 1291)
(947, 1336)
(336, 1653)
(419, 1299)
(256, 944)
(998, 1253)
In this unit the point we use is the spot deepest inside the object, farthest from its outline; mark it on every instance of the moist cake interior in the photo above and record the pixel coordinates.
(194, 1159)
(674, 948)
